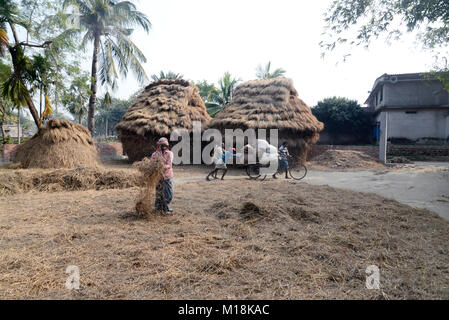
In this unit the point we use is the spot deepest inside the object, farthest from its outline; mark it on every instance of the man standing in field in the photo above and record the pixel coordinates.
(165, 188)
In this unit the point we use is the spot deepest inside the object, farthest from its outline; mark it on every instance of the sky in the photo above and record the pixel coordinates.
(202, 39)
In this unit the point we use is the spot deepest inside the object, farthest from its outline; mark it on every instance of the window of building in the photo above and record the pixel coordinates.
(411, 112)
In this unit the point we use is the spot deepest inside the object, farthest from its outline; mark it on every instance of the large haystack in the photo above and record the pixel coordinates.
(164, 106)
(62, 144)
(271, 104)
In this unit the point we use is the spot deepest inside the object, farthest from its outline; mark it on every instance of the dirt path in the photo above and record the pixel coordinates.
(423, 185)
(418, 188)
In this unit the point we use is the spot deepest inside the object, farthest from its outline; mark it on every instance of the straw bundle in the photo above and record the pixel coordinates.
(151, 173)
(62, 144)
(164, 106)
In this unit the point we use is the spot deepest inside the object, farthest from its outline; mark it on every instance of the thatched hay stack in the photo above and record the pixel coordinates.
(62, 144)
(164, 106)
(271, 104)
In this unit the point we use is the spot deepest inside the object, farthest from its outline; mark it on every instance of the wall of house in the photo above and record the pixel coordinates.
(11, 130)
(422, 124)
(414, 93)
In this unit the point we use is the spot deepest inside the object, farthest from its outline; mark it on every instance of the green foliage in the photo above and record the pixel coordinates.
(15, 88)
(6, 110)
(373, 18)
(169, 75)
(216, 98)
(77, 95)
(113, 113)
(265, 72)
(343, 116)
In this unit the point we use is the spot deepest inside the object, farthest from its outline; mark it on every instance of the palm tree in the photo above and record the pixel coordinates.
(75, 100)
(42, 74)
(221, 97)
(169, 75)
(107, 24)
(15, 87)
(5, 105)
(264, 72)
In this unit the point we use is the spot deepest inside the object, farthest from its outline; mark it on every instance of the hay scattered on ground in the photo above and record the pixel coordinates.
(345, 160)
(40, 180)
(228, 240)
(151, 174)
(62, 144)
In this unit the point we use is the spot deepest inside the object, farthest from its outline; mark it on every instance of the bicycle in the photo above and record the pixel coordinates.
(296, 170)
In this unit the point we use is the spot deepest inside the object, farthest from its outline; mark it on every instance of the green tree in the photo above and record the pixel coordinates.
(169, 75)
(264, 72)
(43, 74)
(216, 98)
(343, 116)
(77, 96)
(6, 112)
(107, 24)
(113, 115)
(373, 18)
(24, 18)
(15, 87)
(105, 104)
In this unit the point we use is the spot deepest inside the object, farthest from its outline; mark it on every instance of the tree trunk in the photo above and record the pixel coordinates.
(30, 102)
(18, 126)
(79, 118)
(93, 88)
(106, 131)
(2, 120)
(33, 111)
(40, 103)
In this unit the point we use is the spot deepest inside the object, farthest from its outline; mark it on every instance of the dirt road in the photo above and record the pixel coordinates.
(426, 186)
(422, 185)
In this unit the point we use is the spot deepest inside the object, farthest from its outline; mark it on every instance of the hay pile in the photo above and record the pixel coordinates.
(62, 144)
(163, 106)
(23, 181)
(271, 104)
(345, 159)
(151, 174)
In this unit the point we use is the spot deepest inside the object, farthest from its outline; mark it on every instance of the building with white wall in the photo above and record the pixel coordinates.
(415, 105)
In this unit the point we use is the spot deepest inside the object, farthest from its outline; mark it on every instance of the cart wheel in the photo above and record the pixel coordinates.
(298, 172)
(253, 172)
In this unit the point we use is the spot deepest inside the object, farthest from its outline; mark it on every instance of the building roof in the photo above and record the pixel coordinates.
(394, 78)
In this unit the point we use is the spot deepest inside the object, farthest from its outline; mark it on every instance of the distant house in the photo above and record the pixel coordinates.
(415, 106)
(11, 130)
